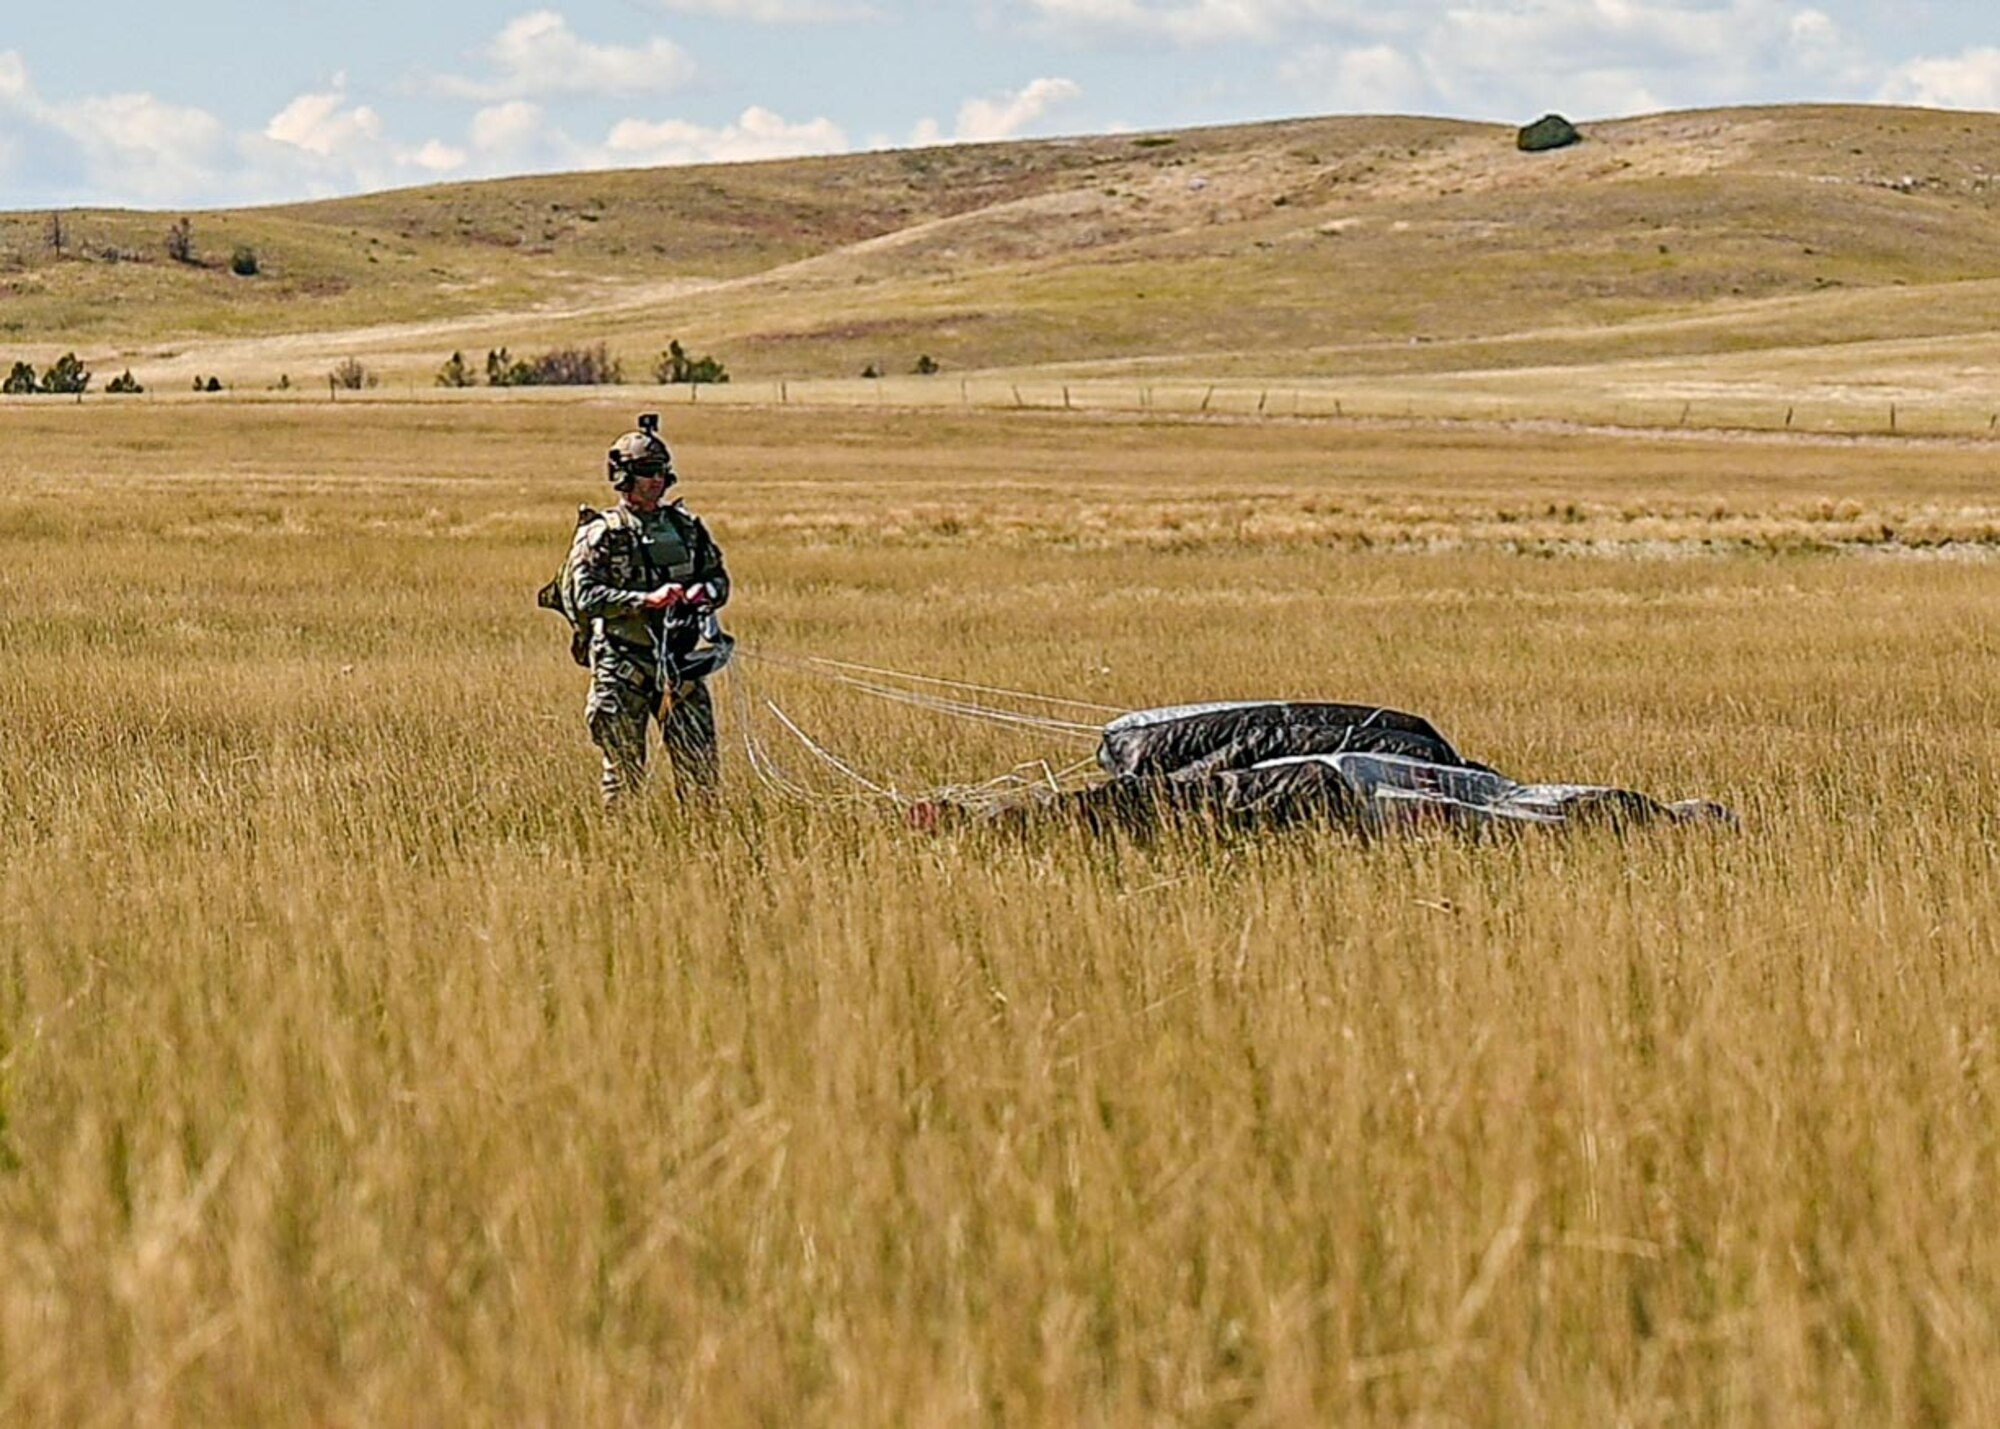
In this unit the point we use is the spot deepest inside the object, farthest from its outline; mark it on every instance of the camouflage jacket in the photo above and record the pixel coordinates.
(622, 557)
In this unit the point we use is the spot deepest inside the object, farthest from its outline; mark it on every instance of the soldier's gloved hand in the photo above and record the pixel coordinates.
(668, 596)
(699, 594)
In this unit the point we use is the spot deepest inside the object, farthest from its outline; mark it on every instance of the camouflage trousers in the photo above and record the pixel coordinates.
(624, 701)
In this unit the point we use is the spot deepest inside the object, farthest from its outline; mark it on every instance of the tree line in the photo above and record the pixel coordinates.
(66, 376)
(590, 366)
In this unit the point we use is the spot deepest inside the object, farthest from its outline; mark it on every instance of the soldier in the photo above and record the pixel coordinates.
(641, 577)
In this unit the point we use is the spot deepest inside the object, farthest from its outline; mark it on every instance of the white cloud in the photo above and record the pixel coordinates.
(539, 55)
(140, 147)
(1193, 22)
(324, 124)
(1967, 81)
(518, 137)
(757, 134)
(137, 149)
(504, 127)
(774, 12)
(13, 76)
(437, 157)
(323, 144)
(1006, 115)
(1001, 116)
(1500, 59)
(1372, 79)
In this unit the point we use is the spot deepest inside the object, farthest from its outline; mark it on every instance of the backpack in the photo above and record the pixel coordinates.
(558, 594)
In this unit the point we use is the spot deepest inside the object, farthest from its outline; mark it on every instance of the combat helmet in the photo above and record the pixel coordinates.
(639, 453)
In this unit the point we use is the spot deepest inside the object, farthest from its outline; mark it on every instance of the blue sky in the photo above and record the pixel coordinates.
(159, 105)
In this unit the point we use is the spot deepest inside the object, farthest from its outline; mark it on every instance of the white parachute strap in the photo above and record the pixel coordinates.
(761, 764)
(960, 709)
(834, 762)
(768, 771)
(906, 676)
(1037, 776)
(992, 792)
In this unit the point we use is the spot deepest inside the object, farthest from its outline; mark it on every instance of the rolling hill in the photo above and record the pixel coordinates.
(1808, 246)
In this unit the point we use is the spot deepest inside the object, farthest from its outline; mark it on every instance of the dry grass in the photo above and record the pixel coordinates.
(352, 1070)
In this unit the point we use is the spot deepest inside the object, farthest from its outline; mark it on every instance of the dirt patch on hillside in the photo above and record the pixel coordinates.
(307, 355)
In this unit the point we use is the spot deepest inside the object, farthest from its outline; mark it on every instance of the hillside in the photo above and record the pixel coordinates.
(1351, 246)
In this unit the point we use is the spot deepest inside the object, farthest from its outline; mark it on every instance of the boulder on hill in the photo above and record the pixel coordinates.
(1551, 131)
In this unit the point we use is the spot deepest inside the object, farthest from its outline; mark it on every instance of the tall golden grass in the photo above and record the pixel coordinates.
(354, 1069)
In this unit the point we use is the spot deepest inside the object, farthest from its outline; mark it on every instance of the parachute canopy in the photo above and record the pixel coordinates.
(1279, 761)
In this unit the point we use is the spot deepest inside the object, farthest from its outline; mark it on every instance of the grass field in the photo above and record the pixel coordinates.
(353, 1069)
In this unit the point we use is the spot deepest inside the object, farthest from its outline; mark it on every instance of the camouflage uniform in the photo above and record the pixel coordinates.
(620, 558)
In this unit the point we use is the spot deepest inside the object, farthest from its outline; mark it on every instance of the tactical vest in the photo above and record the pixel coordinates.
(669, 548)
(652, 549)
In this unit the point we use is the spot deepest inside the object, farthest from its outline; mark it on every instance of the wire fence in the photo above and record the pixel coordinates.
(1808, 414)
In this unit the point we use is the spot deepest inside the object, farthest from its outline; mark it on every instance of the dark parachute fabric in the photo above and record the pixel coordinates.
(1183, 740)
(1270, 763)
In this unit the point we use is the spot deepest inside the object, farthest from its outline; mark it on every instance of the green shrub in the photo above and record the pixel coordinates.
(675, 365)
(350, 376)
(1551, 131)
(243, 262)
(66, 376)
(577, 367)
(124, 383)
(503, 371)
(20, 381)
(559, 367)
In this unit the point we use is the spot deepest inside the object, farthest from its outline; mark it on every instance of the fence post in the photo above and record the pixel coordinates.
(1205, 398)
(1892, 416)
(1066, 406)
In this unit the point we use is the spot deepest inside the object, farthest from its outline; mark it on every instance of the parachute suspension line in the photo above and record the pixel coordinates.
(958, 708)
(998, 792)
(761, 764)
(832, 761)
(877, 670)
(981, 713)
(767, 769)
(1036, 776)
